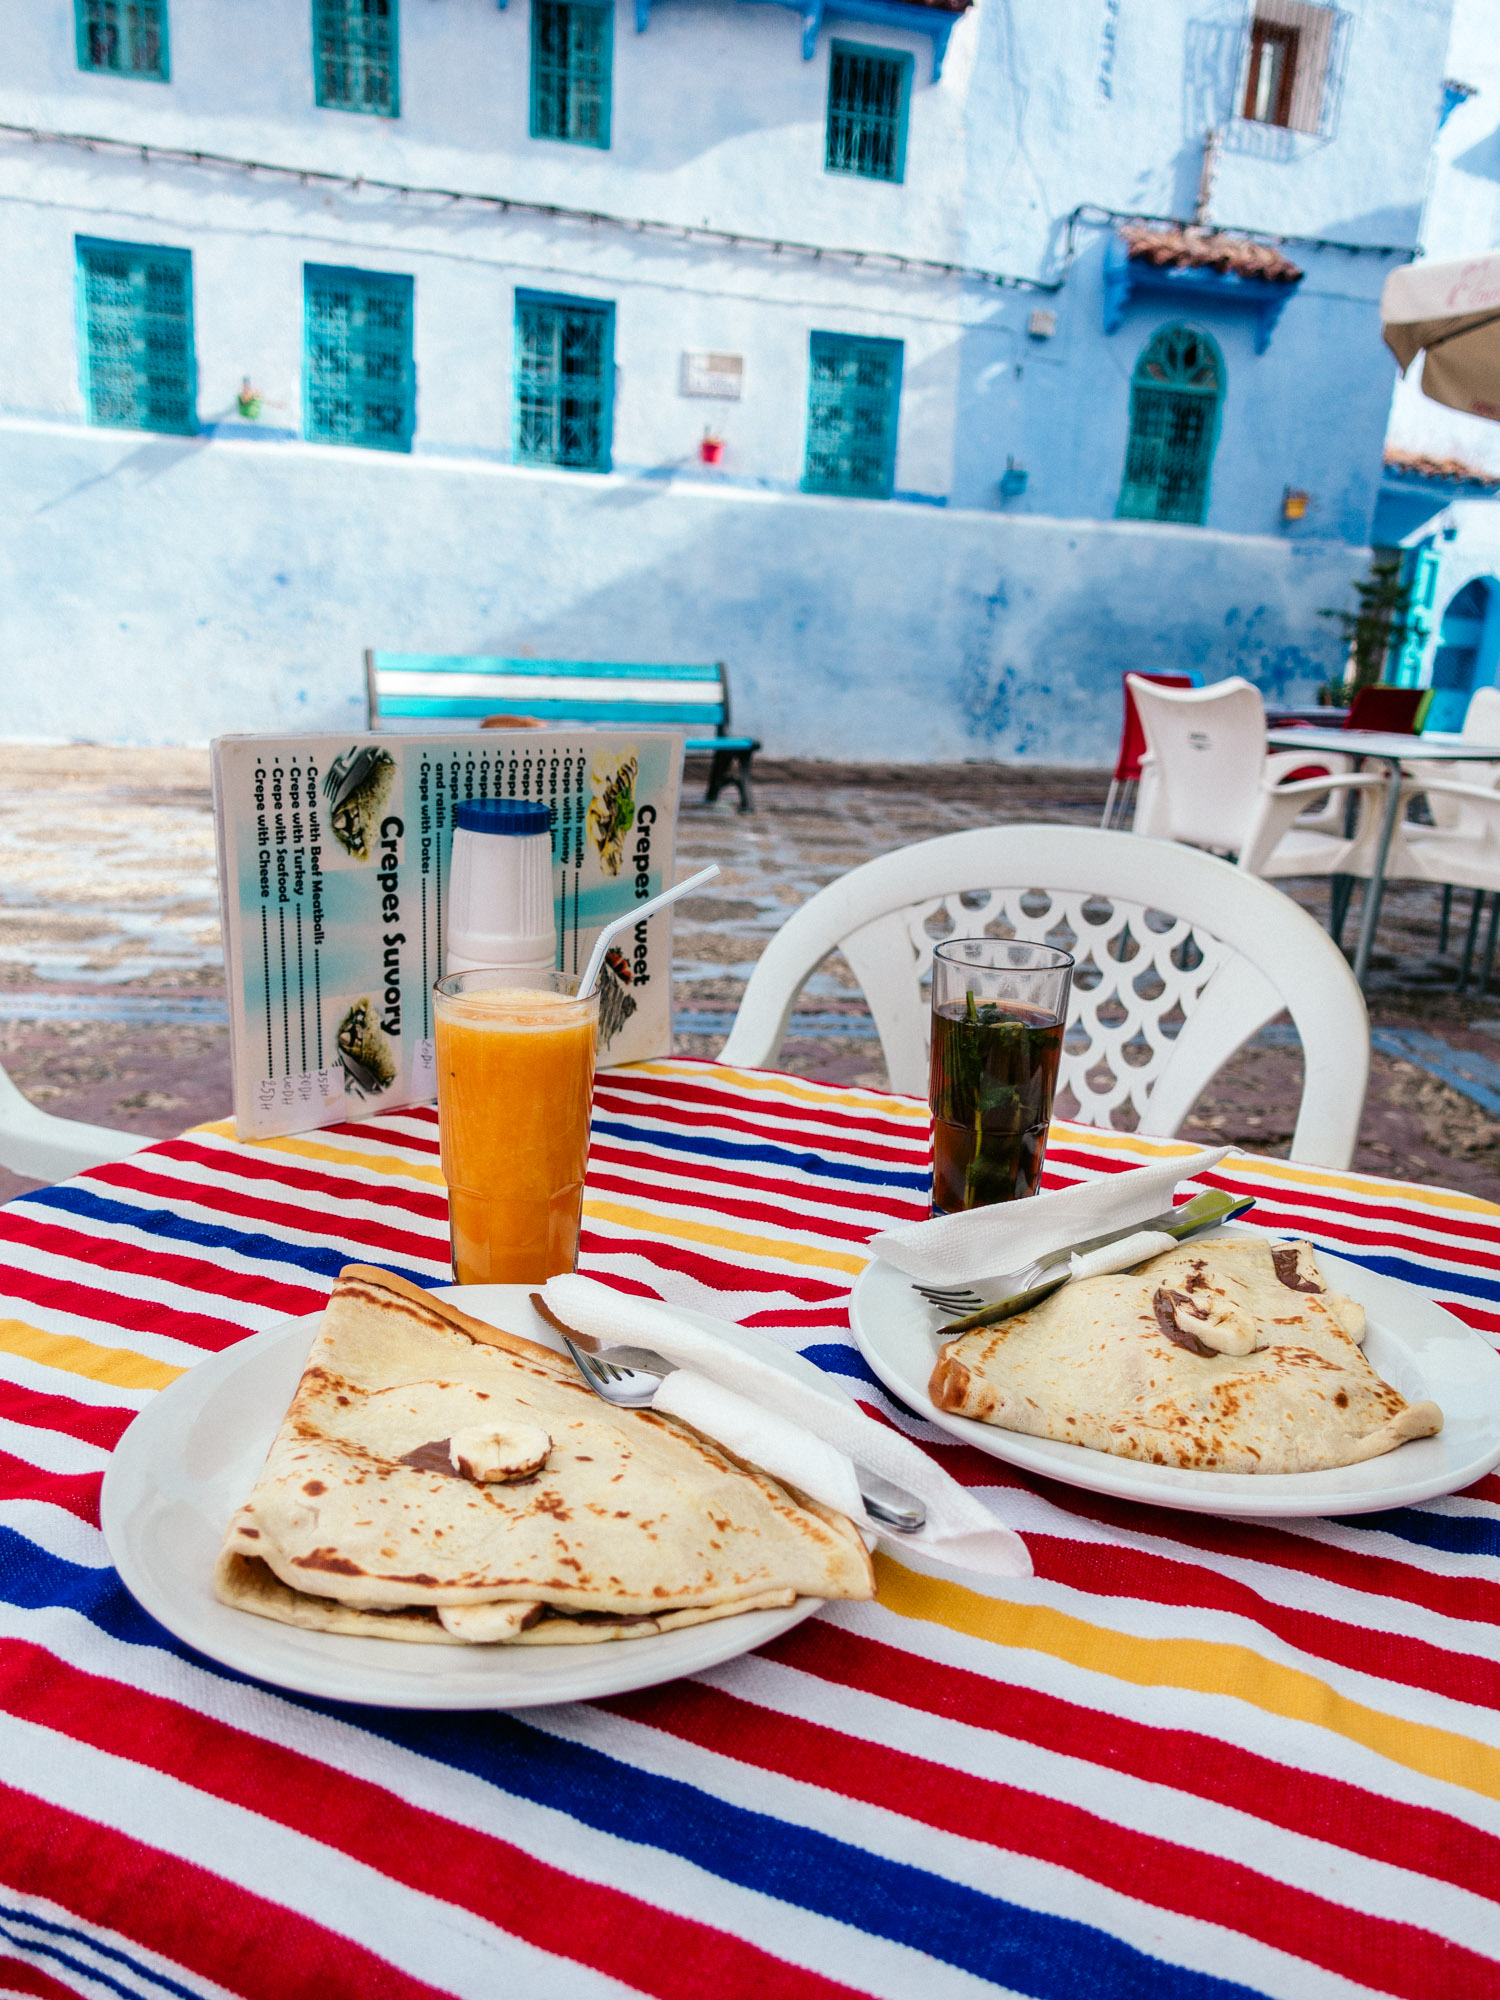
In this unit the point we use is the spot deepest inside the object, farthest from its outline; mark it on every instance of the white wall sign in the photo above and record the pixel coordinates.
(713, 375)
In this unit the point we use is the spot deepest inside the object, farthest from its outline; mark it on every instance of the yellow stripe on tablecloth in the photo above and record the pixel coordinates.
(334, 1156)
(787, 1086)
(1205, 1666)
(1094, 1139)
(680, 1229)
(120, 1367)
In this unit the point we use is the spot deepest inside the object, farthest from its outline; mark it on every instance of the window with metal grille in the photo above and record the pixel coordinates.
(1290, 59)
(357, 56)
(571, 48)
(867, 93)
(854, 393)
(135, 311)
(1174, 425)
(358, 382)
(123, 37)
(565, 364)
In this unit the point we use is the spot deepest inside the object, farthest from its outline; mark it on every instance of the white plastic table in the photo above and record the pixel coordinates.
(1393, 751)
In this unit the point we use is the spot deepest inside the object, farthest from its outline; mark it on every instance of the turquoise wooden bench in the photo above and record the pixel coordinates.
(436, 687)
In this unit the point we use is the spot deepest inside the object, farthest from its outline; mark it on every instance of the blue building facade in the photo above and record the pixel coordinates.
(931, 364)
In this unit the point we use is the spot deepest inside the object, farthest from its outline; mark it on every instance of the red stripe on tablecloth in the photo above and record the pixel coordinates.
(274, 1214)
(18, 1977)
(254, 1947)
(78, 1492)
(381, 1134)
(688, 1173)
(118, 1309)
(1485, 1488)
(708, 1270)
(781, 1219)
(257, 1164)
(1105, 1571)
(1394, 1956)
(638, 1943)
(792, 1138)
(164, 1267)
(773, 1111)
(1323, 1808)
(1474, 1317)
(92, 1422)
(1426, 1231)
(1467, 1597)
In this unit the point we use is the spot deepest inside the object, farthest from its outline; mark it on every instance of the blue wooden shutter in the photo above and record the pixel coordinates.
(1175, 395)
(564, 381)
(358, 380)
(136, 325)
(571, 51)
(357, 56)
(854, 394)
(867, 97)
(123, 37)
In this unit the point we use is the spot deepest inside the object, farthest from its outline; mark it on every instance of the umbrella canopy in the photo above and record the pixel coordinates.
(1453, 311)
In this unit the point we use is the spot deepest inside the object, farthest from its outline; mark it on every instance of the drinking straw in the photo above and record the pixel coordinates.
(608, 934)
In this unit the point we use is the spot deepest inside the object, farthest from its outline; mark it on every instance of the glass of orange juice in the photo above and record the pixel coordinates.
(515, 1065)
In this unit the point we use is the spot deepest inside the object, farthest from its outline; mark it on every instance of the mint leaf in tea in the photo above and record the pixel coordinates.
(994, 1069)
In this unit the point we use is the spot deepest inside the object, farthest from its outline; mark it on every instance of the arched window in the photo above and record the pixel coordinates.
(1174, 424)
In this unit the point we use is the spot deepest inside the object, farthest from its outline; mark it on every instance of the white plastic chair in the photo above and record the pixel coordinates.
(1208, 782)
(1462, 851)
(45, 1148)
(1180, 959)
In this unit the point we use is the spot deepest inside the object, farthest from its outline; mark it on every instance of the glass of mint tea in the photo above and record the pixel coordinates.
(999, 1008)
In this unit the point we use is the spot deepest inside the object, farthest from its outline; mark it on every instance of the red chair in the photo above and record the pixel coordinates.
(1133, 746)
(1390, 710)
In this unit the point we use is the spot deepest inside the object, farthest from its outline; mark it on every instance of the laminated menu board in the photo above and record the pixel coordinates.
(333, 875)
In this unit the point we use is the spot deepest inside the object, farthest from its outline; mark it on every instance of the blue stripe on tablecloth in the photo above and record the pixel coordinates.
(208, 1236)
(1427, 1278)
(11, 1921)
(839, 1360)
(1457, 1534)
(1047, 1957)
(771, 1156)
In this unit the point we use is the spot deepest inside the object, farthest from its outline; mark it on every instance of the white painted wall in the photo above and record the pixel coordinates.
(156, 563)
(1462, 217)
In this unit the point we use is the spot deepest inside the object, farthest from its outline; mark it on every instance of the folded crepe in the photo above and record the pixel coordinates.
(439, 1481)
(1227, 1354)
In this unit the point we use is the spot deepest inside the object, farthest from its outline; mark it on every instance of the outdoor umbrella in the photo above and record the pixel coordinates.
(1452, 310)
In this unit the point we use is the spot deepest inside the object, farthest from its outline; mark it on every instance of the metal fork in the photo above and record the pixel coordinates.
(629, 1377)
(1045, 1275)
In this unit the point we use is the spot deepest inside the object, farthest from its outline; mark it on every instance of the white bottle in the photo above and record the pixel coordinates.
(500, 887)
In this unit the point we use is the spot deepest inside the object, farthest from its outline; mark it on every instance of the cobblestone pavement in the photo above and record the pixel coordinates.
(108, 900)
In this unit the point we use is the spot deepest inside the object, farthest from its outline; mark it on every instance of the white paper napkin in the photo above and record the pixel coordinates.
(989, 1242)
(789, 1428)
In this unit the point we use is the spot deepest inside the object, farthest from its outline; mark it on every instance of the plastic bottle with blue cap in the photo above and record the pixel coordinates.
(500, 887)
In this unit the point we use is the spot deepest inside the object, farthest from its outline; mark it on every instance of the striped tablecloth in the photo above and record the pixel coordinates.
(1190, 1757)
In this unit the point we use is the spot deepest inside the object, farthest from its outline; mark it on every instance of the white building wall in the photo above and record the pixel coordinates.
(259, 567)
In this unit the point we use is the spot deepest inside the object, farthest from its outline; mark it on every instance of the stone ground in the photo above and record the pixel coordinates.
(107, 889)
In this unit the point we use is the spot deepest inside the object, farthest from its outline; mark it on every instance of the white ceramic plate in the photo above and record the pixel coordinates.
(1417, 1346)
(194, 1453)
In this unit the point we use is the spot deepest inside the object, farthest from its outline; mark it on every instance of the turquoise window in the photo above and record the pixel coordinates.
(854, 395)
(358, 382)
(565, 366)
(867, 97)
(135, 311)
(571, 49)
(123, 37)
(1175, 396)
(357, 56)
